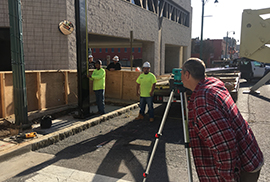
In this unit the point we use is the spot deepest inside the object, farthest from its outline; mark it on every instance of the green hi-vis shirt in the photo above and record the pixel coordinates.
(146, 82)
(98, 78)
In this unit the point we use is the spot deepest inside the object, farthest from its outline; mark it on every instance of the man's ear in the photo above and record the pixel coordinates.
(187, 74)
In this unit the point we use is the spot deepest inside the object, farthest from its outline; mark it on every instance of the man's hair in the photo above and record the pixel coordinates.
(195, 67)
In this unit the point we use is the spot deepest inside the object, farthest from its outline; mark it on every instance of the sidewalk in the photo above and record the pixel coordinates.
(62, 128)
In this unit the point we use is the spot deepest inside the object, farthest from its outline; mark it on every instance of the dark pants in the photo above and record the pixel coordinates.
(249, 177)
(149, 102)
(100, 101)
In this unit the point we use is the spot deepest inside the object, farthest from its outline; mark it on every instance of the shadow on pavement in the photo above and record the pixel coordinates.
(260, 97)
(247, 85)
(121, 149)
(244, 83)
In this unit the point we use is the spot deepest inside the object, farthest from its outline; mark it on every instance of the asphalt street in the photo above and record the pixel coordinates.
(118, 149)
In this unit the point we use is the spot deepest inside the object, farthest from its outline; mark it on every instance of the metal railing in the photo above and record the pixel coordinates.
(165, 8)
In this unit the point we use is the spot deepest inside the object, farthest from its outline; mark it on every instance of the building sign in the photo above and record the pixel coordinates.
(66, 27)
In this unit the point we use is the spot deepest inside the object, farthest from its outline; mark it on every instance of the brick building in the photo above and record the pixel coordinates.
(213, 50)
(219, 48)
(162, 30)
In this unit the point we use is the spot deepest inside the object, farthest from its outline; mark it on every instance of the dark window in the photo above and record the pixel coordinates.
(139, 50)
(112, 50)
(132, 49)
(5, 53)
(119, 50)
(125, 50)
(106, 50)
(100, 50)
(94, 50)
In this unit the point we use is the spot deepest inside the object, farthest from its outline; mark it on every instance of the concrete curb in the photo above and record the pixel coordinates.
(57, 136)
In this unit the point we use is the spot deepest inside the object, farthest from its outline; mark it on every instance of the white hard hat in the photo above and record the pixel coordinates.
(146, 65)
(90, 56)
(116, 58)
(98, 62)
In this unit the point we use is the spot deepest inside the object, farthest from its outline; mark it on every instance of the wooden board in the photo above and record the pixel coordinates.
(66, 87)
(52, 89)
(38, 94)
(113, 84)
(129, 86)
(236, 74)
(9, 94)
(227, 79)
(31, 91)
(73, 88)
(2, 96)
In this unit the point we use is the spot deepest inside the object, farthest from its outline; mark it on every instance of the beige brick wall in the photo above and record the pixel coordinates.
(72, 37)
(4, 17)
(44, 46)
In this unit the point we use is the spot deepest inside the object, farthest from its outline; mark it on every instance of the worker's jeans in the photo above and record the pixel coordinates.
(100, 101)
(149, 102)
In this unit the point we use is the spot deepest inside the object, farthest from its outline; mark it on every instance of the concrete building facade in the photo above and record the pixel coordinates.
(161, 28)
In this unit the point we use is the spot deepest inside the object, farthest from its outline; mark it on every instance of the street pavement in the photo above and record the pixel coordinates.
(118, 149)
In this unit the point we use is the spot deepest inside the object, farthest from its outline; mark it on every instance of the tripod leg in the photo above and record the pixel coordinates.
(158, 135)
(186, 135)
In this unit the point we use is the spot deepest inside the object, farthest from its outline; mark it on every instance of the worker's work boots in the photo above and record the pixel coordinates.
(139, 117)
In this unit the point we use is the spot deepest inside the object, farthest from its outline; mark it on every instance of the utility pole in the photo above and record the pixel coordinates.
(226, 50)
(82, 61)
(17, 62)
(201, 43)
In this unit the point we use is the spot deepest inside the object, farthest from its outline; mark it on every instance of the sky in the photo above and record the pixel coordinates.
(226, 15)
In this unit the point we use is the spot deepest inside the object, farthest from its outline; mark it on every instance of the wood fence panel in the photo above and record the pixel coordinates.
(73, 88)
(31, 91)
(129, 85)
(9, 94)
(48, 89)
(52, 89)
(38, 86)
(2, 96)
(113, 84)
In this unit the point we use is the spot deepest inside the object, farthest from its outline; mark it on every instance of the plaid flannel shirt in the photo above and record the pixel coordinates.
(221, 140)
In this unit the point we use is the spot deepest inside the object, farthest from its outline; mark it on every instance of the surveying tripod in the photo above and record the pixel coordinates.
(178, 88)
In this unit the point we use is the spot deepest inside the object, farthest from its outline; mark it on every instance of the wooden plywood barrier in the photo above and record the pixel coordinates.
(49, 89)
(2, 95)
(129, 85)
(72, 91)
(32, 86)
(113, 84)
(8, 94)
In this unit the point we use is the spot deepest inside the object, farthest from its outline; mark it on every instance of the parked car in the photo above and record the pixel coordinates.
(251, 69)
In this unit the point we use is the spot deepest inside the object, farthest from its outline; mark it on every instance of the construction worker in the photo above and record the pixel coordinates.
(115, 65)
(98, 77)
(91, 63)
(146, 83)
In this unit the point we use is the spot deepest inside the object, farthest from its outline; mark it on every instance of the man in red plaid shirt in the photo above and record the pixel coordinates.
(223, 146)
